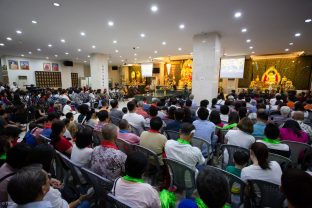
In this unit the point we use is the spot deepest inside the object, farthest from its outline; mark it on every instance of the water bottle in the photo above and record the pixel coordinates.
(235, 195)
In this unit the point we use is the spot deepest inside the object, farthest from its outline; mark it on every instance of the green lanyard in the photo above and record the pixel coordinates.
(136, 180)
(3, 157)
(230, 126)
(272, 141)
(201, 204)
(182, 141)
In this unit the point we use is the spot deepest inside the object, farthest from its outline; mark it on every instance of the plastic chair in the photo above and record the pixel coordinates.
(153, 168)
(201, 144)
(172, 134)
(182, 176)
(231, 149)
(102, 186)
(232, 179)
(44, 139)
(258, 137)
(135, 130)
(284, 162)
(115, 120)
(124, 146)
(265, 194)
(117, 203)
(296, 149)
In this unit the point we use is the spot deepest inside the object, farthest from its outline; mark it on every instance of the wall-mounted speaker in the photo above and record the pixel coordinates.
(68, 63)
(156, 70)
(114, 67)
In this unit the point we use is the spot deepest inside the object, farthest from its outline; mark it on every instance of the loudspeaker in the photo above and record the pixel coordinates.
(68, 63)
(156, 70)
(114, 67)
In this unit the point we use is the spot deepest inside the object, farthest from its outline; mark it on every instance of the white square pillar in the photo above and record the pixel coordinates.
(99, 71)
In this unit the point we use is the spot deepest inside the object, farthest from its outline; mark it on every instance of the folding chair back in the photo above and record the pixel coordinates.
(172, 134)
(135, 130)
(284, 162)
(115, 120)
(202, 145)
(182, 176)
(124, 146)
(297, 149)
(231, 149)
(265, 194)
(117, 203)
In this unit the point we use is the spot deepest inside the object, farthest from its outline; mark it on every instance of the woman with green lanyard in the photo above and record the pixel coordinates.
(132, 188)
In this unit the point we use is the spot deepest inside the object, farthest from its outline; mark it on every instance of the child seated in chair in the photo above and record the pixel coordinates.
(240, 161)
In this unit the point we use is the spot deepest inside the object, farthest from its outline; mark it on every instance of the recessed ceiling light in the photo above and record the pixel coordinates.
(252, 52)
(114, 41)
(120, 56)
(248, 41)
(79, 50)
(66, 53)
(116, 51)
(88, 56)
(93, 46)
(34, 21)
(182, 26)
(29, 52)
(122, 60)
(110, 23)
(237, 14)
(244, 30)
(38, 49)
(135, 54)
(308, 20)
(155, 51)
(142, 35)
(9, 38)
(82, 33)
(291, 43)
(135, 59)
(63, 40)
(56, 55)
(286, 49)
(49, 45)
(154, 8)
(22, 55)
(180, 49)
(47, 57)
(297, 34)
(56, 4)
(149, 57)
(191, 53)
(164, 43)
(250, 47)
(18, 32)
(84, 61)
(1, 44)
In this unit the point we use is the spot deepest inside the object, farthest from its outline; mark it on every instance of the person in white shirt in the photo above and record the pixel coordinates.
(242, 136)
(261, 169)
(131, 188)
(181, 150)
(224, 113)
(82, 151)
(133, 118)
(64, 95)
(67, 108)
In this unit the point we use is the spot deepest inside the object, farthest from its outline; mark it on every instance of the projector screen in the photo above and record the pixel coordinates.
(232, 67)
(147, 70)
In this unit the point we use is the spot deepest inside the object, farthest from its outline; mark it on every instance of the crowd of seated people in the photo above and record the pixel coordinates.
(257, 122)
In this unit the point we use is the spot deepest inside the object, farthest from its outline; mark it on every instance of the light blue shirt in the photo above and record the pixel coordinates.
(39, 204)
(258, 129)
(204, 129)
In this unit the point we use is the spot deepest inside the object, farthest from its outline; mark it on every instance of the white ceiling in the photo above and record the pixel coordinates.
(271, 26)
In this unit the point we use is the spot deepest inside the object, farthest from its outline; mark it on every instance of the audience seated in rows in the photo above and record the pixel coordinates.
(258, 127)
(103, 120)
(48, 124)
(59, 142)
(299, 117)
(133, 118)
(140, 111)
(240, 161)
(114, 112)
(261, 168)
(107, 160)
(291, 131)
(125, 133)
(232, 122)
(178, 120)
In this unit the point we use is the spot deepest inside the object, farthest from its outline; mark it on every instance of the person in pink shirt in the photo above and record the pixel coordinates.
(140, 110)
(291, 131)
(125, 134)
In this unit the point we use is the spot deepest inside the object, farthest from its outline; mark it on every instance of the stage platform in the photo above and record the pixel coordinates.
(160, 94)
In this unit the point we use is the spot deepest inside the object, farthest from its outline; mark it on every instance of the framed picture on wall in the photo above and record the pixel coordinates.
(55, 67)
(46, 67)
(24, 65)
(13, 64)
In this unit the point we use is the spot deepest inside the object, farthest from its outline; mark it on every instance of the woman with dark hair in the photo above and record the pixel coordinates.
(233, 121)
(83, 110)
(215, 118)
(261, 168)
(242, 136)
(81, 153)
(58, 141)
(291, 131)
(214, 103)
(91, 118)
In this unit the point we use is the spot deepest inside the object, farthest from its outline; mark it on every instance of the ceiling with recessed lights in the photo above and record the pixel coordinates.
(138, 30)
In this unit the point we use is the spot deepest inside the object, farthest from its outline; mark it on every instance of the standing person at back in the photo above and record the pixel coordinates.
(153, 139)
(182, 150)
(133, 118)
(204, 129)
